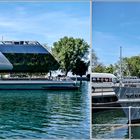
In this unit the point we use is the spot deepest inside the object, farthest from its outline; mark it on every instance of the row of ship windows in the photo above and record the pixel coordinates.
(19, 42)
(101, 79)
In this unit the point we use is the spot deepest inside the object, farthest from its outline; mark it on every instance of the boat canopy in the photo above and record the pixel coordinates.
(22, 47)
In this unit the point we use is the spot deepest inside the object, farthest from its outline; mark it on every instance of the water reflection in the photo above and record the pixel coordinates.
(110, 124)
(44, 114)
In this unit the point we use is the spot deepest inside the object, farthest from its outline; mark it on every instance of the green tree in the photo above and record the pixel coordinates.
(109, 69)
(133, 64)
(68, 50)
(130, 66)
(99, 68)
(80, 67)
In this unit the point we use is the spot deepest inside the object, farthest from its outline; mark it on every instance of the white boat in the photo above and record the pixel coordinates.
(37, 84)
(103, 82)
(129, 98)
(29, 57)
(128, 93)
(103, 94)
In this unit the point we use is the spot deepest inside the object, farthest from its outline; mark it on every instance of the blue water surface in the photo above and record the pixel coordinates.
(45, 114)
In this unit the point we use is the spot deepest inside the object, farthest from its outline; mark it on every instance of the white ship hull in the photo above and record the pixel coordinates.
(129, 99)
(37, 85)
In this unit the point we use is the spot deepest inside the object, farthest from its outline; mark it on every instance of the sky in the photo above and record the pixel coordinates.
(45, 22)
(116, 24)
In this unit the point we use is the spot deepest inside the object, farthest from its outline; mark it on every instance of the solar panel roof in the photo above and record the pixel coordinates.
(12, 48)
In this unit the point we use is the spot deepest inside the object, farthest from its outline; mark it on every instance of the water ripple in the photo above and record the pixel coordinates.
(44, 114)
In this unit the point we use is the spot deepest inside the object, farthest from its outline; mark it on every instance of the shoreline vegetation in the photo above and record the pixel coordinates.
(130, 66)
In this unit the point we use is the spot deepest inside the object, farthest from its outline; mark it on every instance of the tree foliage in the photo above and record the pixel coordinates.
(68, 51)
(130, 67)
(109, 69)
(80, 67)
(133, 65)
(99, 68)
(124, 67)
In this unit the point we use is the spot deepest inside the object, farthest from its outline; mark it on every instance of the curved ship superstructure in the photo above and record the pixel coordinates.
(5, 63)
(29, 57)
(26, 56)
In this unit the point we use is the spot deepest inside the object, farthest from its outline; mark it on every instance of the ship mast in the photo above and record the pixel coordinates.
(120, 65)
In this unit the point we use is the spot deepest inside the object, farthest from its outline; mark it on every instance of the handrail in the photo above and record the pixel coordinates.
(19, 43)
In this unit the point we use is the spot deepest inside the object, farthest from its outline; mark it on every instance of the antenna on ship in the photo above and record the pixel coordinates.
(2, 38)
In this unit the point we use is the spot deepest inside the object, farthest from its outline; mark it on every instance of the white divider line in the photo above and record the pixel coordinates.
(110, 107)
(126, 125)
(117, 107)
(116, 124)
(129, 122)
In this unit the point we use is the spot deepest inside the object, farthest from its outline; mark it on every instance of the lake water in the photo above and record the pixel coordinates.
(113, 124)
(45, 114)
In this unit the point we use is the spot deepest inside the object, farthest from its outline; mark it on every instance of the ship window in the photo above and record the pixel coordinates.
(21, 42)
(26, 42)
(102, 79)
(94, 79)
(16, 43)
(106, 79)
(98, 79)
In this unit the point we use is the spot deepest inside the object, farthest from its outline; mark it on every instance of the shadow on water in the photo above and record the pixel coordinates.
(44, 114)
(110, 124)
(113, 124)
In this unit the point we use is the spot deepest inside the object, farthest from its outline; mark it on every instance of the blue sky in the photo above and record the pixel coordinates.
(116, 24)
(45, 22)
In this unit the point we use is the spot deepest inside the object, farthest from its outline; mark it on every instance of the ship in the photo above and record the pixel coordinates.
(103, 95)
(128, 94)
(29, 57)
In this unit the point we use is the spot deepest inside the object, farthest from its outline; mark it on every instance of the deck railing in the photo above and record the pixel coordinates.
(19, 43)
(37, 78)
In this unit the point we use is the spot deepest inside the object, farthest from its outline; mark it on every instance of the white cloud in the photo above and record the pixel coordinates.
(49, 26)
